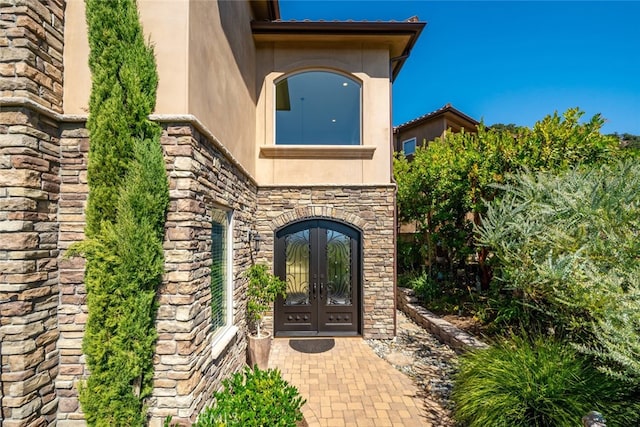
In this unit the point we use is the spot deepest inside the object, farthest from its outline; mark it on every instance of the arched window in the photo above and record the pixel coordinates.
(318, 108)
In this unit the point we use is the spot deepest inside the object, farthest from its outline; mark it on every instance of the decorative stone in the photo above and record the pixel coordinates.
(399, 359)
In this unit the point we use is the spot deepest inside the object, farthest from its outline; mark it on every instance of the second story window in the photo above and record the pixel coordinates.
(318, 108)
(409, 146)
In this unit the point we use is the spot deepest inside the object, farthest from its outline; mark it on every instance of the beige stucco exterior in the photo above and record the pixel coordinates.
(210, 67)
(221, 78)
(367, 164)
(213, 81)
(166, 28)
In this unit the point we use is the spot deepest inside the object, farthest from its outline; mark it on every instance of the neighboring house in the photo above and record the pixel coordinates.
(426, 128)
(277, 141)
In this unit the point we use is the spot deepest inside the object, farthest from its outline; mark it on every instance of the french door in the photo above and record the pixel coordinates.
(320, 262)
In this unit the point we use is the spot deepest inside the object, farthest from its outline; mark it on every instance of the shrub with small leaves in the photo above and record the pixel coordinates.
(567, 252)
(254, 398)
(263, 289)
(126, 211)
(452, 177)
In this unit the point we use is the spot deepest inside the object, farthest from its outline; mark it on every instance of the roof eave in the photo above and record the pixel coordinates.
(410, 29)
(446, 110)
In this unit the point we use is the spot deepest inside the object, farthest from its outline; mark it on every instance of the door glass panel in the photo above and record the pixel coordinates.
(338, 268)
(298, 249)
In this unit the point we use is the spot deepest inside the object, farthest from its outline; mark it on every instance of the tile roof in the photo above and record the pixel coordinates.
(446, 108)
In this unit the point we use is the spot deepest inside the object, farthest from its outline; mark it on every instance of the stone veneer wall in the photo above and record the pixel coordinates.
(29, 185)
(31, 48)
(72, 311)
(368, 208)
(187, 371)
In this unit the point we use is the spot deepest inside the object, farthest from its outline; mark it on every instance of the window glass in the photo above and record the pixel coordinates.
(318, 108)
(220, 267)
(409, 146)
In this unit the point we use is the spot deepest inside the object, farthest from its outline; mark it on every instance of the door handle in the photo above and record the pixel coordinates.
(321, 289)
(314, 290)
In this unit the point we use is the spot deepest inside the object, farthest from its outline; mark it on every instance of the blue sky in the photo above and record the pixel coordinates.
(510, 61)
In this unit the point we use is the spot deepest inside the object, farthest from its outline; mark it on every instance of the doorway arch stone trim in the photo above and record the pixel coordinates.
(318, 212)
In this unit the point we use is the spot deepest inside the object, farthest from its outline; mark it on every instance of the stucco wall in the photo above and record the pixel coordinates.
(209, 67)
(369, 65)
(425, 132)
(222, 84)
(206, 65)
(165, 24)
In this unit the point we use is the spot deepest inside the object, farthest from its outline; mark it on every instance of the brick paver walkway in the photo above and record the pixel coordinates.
(349, 386)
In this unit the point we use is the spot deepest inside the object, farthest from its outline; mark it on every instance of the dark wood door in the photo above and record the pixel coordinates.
(320, 261)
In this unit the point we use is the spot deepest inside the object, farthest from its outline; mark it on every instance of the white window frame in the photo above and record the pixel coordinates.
(404, 144)
(226, 333)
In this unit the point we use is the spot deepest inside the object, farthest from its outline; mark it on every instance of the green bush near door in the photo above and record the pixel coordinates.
(254, 398)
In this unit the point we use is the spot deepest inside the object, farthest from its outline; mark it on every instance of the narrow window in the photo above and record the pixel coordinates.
(220, 268)
(318, 108)
(409, 146)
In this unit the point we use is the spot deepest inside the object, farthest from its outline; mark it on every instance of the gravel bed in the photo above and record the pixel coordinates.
(427, 361)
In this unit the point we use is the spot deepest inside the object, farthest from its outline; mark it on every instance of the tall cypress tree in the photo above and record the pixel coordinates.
(126, 211)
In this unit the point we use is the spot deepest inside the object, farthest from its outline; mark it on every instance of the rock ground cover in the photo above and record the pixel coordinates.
(430, 364)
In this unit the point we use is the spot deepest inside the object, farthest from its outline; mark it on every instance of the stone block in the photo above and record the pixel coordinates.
(166, 347)
(19, 178)
(23, 361)
(29, 385)
(27, 409)
(68, 405)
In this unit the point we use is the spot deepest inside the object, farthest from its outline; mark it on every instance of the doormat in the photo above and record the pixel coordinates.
(312, 345)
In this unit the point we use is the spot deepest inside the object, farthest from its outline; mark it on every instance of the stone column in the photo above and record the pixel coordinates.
(31, 46)
(72, 311)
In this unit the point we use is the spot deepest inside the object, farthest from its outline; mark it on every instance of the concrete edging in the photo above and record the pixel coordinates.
(447, 333)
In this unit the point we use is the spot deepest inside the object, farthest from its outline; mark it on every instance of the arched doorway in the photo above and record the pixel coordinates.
(320, 261)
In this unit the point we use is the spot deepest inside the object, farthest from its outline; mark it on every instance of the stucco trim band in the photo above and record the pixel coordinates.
(318, 151)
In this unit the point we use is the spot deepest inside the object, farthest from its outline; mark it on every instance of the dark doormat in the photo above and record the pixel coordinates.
(312, 345)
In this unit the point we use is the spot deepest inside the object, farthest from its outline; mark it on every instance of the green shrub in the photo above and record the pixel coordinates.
(616, 335)
(262, 290)
(522, 382)
(567, 250)
(426, 288)
(126, 210)
(405, 279)
(254, 398)
(442, 295)
(409, 256)
(452, 177)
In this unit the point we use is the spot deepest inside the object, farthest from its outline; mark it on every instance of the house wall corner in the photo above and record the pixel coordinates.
(30, 98)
